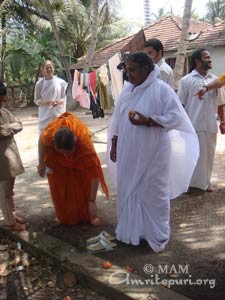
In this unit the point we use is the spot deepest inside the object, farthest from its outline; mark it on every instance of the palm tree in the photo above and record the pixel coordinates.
(94, 32)
(216, 10)
(181, 53)
(3, 25)
(62, 52)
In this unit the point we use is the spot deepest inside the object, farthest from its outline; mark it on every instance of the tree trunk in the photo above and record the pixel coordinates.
(94, 33)
(70, 101)
(3, 21)
(182, 47)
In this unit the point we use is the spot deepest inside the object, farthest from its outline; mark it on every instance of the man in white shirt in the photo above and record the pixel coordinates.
(203, 114)
(154, 48)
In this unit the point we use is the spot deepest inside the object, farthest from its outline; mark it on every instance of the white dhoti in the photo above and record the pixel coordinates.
(203, 170)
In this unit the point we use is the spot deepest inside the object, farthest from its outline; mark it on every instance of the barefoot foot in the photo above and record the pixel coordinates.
(95, 221)
(16, 227)
(19, 219)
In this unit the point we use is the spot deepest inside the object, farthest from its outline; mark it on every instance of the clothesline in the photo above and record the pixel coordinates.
(98, 90)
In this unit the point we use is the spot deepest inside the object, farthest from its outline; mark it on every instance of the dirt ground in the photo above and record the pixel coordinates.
(22, 276)
(196, 250)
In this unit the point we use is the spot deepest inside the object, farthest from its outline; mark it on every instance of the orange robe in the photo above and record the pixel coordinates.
(70, 181)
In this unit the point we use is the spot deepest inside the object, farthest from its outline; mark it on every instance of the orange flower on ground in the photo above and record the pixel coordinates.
(107, 264)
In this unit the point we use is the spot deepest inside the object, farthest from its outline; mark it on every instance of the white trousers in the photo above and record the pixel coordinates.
(6, 200)
(202, 174)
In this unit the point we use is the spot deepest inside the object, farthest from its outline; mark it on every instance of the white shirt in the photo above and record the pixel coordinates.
(202, 113)
(47, 90)
(166, 73)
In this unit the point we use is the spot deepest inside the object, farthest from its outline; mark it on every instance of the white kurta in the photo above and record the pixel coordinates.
(203, 115)
(154, 164)
(166, 72)
(48, 90)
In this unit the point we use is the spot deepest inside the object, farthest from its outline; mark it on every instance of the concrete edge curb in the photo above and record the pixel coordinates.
(88, 268)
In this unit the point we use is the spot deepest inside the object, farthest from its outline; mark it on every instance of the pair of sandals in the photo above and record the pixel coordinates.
(104, 242)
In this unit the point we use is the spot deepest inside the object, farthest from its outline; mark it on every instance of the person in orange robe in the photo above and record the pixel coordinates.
(74, 171)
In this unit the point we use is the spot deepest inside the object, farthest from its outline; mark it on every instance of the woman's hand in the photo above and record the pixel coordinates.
(113, 148)
(51, 103)
(222, 128)
(41, 169)
(201, 93)
(113, 152)
(57, 102)
(138, 119)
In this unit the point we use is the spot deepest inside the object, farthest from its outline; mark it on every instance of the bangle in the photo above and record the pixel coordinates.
(206, 87)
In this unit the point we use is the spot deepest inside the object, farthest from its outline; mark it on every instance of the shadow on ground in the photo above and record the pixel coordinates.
(196, 250)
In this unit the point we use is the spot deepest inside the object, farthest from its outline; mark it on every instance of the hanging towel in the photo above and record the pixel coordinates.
(116, 75)
(79, 94)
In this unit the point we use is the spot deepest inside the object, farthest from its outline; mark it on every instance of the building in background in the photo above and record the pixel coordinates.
(168, 29)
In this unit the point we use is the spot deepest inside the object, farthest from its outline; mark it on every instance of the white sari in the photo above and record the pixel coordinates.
(154, 164)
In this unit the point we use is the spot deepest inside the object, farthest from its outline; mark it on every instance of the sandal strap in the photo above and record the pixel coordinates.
(106, 244)
(104, 234)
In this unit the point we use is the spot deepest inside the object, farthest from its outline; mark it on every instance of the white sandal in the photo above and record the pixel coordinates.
(102, 235)
(103, 245)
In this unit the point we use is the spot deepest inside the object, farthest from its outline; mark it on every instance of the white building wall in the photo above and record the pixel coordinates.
(218, 60)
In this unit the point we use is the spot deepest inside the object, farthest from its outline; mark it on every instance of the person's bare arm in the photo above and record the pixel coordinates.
(221, 118)
(216, 83)
(113, 149)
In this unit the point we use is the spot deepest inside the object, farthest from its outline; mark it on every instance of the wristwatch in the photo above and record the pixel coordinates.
(206, 87)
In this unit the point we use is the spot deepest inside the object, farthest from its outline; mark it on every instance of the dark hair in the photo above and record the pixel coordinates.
(142, 59)
(3, 91)
(196, 55)
(155, 44)
(64, 139)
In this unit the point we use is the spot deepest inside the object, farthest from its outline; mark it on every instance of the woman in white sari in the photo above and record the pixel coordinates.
(153, 150)
(49, 95)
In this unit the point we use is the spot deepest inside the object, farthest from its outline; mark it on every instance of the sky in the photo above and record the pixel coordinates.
(133, 9)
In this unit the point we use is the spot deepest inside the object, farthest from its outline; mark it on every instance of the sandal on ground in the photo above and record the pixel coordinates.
(103, 245)
(101, 235)
(16, 227)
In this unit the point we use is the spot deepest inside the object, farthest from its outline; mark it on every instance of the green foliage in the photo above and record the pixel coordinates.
(75, 21)
(30, 39)
(24, 57)
(216, 11)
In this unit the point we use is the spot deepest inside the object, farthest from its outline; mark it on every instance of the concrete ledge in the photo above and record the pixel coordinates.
(89, 271)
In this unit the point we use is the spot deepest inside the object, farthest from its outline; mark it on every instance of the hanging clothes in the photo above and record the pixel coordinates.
(116, 76)
(96, 109)
(78, 93)
(102, 87)
(92, 80)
